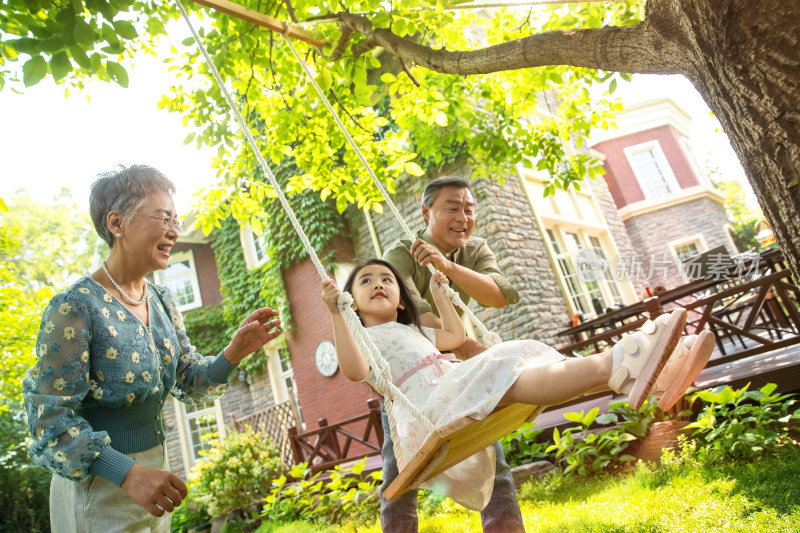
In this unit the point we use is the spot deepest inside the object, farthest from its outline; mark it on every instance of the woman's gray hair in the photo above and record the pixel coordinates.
(432, 189)
(123, 190)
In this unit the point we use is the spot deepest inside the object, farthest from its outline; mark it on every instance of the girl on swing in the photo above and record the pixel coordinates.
(650, 361)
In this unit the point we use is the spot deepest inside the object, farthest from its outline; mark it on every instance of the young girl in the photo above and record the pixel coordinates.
(523, 371)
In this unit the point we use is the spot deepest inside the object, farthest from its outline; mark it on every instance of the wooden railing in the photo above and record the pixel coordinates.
(334, 444)
(764, 311)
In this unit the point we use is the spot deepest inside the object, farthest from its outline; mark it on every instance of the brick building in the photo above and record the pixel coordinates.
(668, 206)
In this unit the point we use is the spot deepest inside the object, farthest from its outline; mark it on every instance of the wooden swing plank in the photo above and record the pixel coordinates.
(259, 19)
(464, 437)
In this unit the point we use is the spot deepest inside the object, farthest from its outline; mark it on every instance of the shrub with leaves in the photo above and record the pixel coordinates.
(235, 473)
(585, 452)
(344, 497)
(743, 423)
(522, 447)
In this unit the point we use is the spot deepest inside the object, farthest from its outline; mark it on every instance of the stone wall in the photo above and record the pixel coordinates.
(504, 219)
(650, 233)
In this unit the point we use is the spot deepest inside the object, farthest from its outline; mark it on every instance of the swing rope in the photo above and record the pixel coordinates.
(490, 338)
(376, 361)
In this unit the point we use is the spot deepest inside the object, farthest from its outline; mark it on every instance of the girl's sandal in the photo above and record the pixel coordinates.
(638, 358)
(682, 367)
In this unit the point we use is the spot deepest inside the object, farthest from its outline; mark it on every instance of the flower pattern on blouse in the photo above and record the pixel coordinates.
(84, 329)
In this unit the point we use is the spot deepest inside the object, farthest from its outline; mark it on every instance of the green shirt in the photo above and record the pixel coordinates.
(475, 255)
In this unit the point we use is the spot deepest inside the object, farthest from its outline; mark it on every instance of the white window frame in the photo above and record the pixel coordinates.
(697, 239)
(603, 284)
(663, 166)
(178, 257)
(248, 240)
(278, 377)
(184, 432)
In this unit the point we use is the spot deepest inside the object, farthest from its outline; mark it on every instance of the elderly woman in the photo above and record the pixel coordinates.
(111, 347)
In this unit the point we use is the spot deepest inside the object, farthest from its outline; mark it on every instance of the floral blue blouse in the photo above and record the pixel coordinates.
(97, 391)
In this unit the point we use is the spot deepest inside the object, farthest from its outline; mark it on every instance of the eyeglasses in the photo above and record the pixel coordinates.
(167, 223)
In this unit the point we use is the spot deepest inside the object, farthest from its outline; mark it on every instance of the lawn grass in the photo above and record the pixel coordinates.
(684, 494)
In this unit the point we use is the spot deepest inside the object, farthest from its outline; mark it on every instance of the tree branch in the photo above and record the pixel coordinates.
(341, 46)
(366, 45)
(408, 72)
(634, 49)
(335, 97)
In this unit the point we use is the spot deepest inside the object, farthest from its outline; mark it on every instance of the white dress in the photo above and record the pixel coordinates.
(446, 391)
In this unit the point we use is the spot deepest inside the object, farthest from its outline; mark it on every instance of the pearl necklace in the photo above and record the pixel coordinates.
(123, 293)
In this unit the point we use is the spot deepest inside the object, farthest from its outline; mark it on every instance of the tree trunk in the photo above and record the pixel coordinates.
(746, 64)
(743, 58)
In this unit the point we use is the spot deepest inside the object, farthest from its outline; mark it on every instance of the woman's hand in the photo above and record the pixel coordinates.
(158, 491)
(330, 295)
(438, 283)
(254, 332)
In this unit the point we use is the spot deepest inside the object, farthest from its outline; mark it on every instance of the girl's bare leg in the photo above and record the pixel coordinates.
(561, 381)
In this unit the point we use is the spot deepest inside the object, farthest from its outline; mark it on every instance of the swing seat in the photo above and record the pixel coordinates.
(451, 444)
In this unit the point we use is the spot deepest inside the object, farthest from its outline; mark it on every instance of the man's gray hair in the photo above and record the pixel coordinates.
(432, 190)
(123, 190)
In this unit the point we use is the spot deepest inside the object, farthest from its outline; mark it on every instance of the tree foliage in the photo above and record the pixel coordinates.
(408, 120)
(77, 40)
(742, 217)
(42, 249)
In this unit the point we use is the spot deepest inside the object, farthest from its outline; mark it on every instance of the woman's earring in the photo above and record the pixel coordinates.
(118, 235)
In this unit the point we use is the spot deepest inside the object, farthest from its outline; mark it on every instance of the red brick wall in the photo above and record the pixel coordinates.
(619, 174)
(206, 268)
(334, 398)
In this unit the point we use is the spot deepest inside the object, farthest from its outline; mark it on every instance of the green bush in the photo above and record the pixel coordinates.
(522, 447)
(342, 498)
(594, 452)
(192, 514)
(742, 423)
(235, 473)
(24, 486)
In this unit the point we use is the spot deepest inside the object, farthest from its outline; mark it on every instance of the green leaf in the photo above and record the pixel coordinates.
(125, 29)
(34, 70)
(117, 73)
(80, 57)
(413, 169)
(388, 77)
(83, 33)
(325, 80)
(60, 65)
(612, 86)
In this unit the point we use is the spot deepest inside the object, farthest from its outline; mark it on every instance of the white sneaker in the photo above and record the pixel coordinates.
(682, 367)
(639, 357)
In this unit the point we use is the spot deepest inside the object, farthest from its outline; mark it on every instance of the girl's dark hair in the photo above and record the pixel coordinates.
(410, 314)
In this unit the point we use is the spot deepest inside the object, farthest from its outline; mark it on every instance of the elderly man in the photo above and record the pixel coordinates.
(448, 208)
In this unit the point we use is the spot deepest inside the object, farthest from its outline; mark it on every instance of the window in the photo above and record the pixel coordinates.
(281, 377)
(254, 246)
(589, 296)
(685, 249)
(651, 169)
(180, 277)
(197, 425)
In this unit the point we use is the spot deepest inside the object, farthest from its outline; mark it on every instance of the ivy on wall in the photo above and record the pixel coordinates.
(244, 290)
(207, 329)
